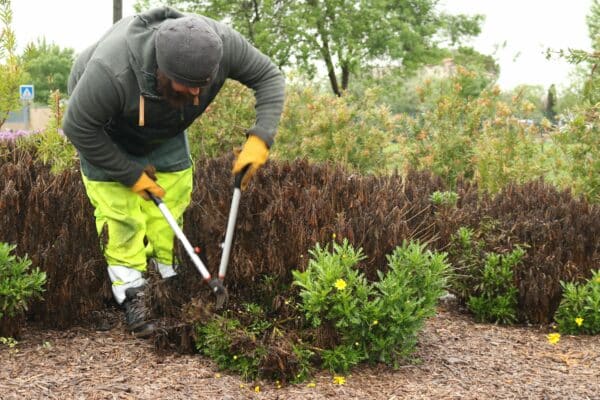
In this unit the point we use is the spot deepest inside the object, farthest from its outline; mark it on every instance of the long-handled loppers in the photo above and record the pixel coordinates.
(216, 284)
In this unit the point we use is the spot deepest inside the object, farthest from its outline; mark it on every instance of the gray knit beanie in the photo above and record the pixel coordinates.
(188, 51)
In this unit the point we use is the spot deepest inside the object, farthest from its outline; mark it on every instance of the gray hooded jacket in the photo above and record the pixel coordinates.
(108, 78)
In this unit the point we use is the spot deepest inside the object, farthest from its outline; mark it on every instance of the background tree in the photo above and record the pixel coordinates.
(531, 95)
(265, 23)
(48, 67)
(550, 104)
(117, 10)
(593, 23)
(342, 35)
(11, 71)
(402, 92)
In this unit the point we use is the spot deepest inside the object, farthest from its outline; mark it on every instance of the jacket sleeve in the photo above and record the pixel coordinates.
(94, 100)
(255, 70)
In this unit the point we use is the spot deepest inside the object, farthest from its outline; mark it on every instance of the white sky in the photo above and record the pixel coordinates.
(527, 26)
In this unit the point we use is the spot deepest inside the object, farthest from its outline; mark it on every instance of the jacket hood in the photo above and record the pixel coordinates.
(140, 44)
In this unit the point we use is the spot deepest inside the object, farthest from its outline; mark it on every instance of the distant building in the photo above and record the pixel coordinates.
(445, 69)
(37, 119)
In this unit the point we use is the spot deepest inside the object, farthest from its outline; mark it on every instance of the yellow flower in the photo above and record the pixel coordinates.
(339, 380)
(217, 375)
(579, 321)
(553, 338)
(235, 357)
(597, 280)
(333, 236)
(340, 284)
(257, 389)
(278, 384)
(311, 385)
(375, 322)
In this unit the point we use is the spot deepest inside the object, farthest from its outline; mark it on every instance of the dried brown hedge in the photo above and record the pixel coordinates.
(290, 207)
(562, 234)
(51, 221)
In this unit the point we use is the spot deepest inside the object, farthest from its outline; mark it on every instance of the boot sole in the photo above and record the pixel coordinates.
(144, 331)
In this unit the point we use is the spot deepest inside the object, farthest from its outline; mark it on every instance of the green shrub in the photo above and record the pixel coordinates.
(223, 125)
(579, 309)
(496, 299)
(352, 131)
(478, 138)
(315, 125)
(373, 321)
(223, 338)
(51, 146)
(576, 154)
(18, 284)
(484, 279)
(448, 199)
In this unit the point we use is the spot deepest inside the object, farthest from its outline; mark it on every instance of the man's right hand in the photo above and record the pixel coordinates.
(147, 183)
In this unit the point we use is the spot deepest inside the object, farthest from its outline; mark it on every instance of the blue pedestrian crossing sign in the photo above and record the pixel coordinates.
(27, 92)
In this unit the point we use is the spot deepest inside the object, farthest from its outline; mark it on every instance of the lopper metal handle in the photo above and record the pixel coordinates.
(180, 235)
(233, 211)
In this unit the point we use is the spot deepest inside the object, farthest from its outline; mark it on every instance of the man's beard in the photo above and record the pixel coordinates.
(175, 99)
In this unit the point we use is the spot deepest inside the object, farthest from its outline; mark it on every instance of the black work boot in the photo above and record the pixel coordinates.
(137, 315)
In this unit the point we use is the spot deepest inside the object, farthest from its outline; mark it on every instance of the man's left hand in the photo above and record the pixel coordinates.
(254, 154)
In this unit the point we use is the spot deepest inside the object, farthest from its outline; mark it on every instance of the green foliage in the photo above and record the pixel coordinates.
(402, 91)
(48, 67)
(332, 289)
(576, 154)
(220, 339)
(11, 69)
(593, 23)
(18, 283)
(497, 295)
(465, 252)
(447, 199)
(550, 108)
(529, 98)
(353, 132)
(223, 125)
(579, 309)
(8, 341)
(485, 279)
(474, 138)
(303, 356)
(343, 35)
(374, 321)
(52, 146)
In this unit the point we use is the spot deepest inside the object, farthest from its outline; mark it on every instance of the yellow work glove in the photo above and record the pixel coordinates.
(146, 182)
(254, 154)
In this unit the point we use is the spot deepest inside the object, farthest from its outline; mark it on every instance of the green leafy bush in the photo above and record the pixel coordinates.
(18, 284)
(478, 138)
(579, 309)
(51, 146)
(352, 131)
(315, 125)
(223, 338)
(496, 298)
(224, 123)
(484, 279)
(376, 321)
(448, 199)
(576, 154)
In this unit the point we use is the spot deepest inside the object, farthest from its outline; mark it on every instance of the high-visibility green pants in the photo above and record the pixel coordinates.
(136, 228)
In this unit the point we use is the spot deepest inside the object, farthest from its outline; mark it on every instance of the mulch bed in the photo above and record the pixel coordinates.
(456, 359)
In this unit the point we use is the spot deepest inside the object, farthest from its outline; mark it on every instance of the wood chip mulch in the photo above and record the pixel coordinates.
(456, 359)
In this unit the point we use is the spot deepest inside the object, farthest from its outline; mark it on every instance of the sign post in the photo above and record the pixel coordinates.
(27, 94)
